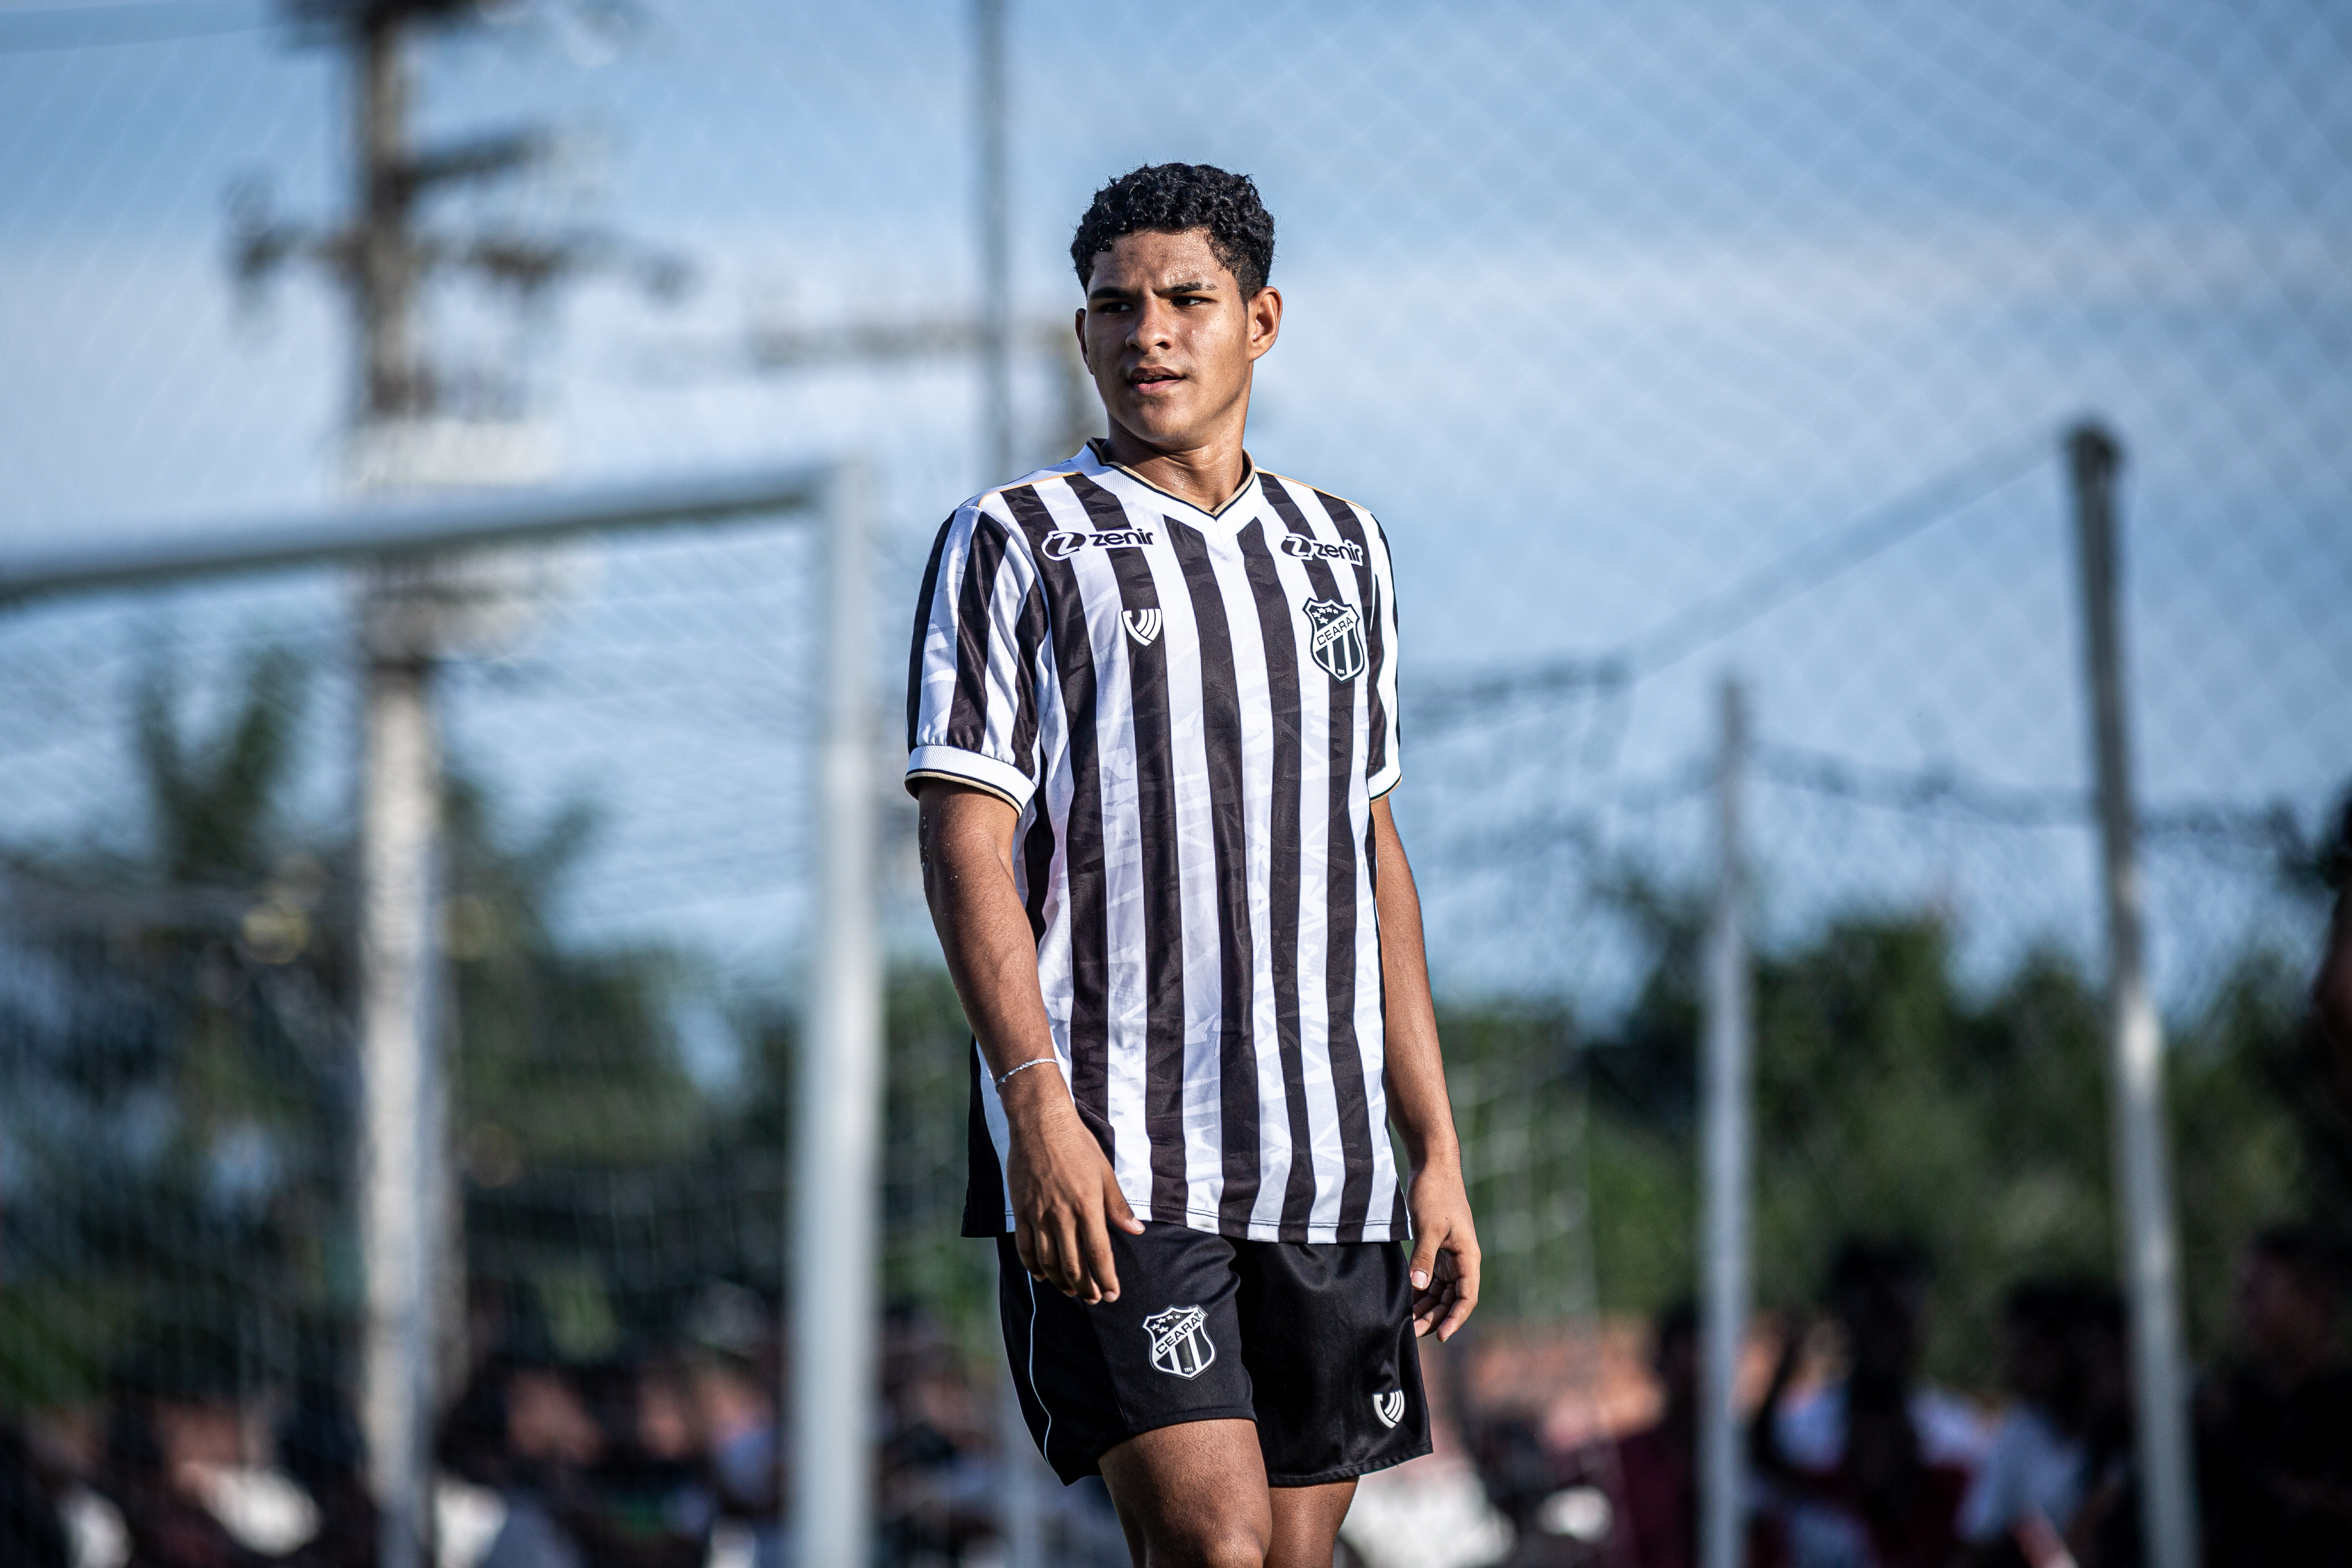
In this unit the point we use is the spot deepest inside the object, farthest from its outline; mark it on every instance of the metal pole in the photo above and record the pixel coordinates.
(403, 1192)
(995, 240)
(832, 1376)
(2135, 1039)
(1729, 1054)
(1021, 1497)
(399, 964)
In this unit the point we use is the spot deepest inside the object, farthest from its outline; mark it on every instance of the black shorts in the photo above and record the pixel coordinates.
(1312, 1342)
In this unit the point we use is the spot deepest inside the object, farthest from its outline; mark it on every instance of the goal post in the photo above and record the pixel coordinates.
(403, 1179)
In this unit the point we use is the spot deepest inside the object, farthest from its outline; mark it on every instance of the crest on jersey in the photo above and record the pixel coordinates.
(1179, 1340)
(1389, 1407)
(1339, 640)
(1143, 625)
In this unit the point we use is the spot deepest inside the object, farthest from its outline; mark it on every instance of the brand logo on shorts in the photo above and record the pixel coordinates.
(1389, 1407)
(1060, 546)
(1307, 549)
(1179, 1340)
(1143, 625)
(1339, 640)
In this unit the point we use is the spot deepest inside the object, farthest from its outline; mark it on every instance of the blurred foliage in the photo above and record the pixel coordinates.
(178, 1081)
(1893, 1100)
(178, 1092)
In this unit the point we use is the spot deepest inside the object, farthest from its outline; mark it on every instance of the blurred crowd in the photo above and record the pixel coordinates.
(670, 1453)
(670, 1456)
(1875, 1466)
(664, 1456)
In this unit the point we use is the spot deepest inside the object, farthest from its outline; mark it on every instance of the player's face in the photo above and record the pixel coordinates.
(1169, 339)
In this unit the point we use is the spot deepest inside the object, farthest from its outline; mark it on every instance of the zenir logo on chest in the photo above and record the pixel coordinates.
(1306, 549)
(1060, 546)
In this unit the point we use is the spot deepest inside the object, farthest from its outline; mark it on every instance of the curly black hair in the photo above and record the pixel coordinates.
(1172, 198)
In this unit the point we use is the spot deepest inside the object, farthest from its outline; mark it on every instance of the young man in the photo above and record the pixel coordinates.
(1152, 726)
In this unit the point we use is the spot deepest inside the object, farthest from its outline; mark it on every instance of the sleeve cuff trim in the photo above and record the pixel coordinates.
(973, 768)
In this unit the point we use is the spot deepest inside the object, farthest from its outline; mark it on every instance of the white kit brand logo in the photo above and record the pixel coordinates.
(1143, 625)
(1307, 549)
(1389, 1407)
(1339, 641)
(1179, 1340)
(1063, 545)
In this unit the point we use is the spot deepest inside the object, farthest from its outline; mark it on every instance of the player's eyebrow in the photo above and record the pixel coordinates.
(1191, 286)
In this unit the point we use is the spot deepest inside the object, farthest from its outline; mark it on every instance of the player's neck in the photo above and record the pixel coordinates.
(1207, 474)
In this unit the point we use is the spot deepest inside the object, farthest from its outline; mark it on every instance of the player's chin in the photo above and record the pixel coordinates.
(1161, 419)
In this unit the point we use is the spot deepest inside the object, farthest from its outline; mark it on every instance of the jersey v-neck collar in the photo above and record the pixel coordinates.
(1230, 512)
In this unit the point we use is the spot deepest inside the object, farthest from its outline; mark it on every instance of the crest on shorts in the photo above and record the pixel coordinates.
(1389, 1407)
(1179, 1340)
(1339, 640)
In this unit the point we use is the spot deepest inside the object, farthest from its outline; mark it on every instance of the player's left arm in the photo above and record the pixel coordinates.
(1444, 1241)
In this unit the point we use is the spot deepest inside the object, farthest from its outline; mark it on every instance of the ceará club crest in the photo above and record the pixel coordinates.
(1338, 637)
(1179, 1340)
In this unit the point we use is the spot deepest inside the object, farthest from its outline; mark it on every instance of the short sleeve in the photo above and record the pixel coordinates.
(1382, 766)
(972, 678)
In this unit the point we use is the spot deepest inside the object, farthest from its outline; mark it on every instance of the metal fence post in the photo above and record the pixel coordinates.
(400, 821)
(1729, 1054)
(832, 1254)
(2134, 1038)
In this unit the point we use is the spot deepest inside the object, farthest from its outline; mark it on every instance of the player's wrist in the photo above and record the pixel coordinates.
(1034, 1097)
(1435, 1155)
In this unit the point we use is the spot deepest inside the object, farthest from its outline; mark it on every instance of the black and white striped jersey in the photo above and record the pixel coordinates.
(1193, 714)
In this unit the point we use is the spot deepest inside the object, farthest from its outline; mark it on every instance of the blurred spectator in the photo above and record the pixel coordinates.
(2106, 1530)
(1870, 1471)
(32, 1531)
(2038, 1470)
(522, 1431)
(651, 1506)
(731, 1384)
(2275, 1429)
(319, 1445)
(936, 1493)
(173, 1420)
(1657, 1468)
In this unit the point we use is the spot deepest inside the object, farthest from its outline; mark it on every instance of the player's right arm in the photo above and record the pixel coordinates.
(1065, 1194)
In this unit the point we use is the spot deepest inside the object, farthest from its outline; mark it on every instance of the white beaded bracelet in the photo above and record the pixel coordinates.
(1025, 1066)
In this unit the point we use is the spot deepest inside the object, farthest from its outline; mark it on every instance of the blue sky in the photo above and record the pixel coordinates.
(1600, 306)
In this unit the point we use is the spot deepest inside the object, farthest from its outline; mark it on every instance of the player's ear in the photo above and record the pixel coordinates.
(1265, 320)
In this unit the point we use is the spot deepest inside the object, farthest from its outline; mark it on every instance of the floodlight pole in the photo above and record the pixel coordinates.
(832, 1260)
(1730, 1067)
(2135, 1036)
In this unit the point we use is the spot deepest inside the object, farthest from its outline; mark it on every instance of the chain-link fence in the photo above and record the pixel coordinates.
(1670, 344)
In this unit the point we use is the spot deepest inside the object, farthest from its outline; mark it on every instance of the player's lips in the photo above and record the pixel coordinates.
(1152, 375)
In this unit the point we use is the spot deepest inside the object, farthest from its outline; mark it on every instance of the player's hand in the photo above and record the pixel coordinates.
(1066, 1196)
(1445, 1266)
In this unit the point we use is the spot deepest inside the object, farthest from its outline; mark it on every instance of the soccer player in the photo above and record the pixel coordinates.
(1152, 724)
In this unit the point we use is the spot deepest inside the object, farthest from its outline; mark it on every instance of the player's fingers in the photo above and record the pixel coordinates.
(1086, 1234)
(1121, 1215)
(1423, 1265)
(1105, 1264)
(1428, 1306)
(1102, 1272)
(1041, 1253)
(1465, 1296)
(1072, 1277)
(1024, 1247)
